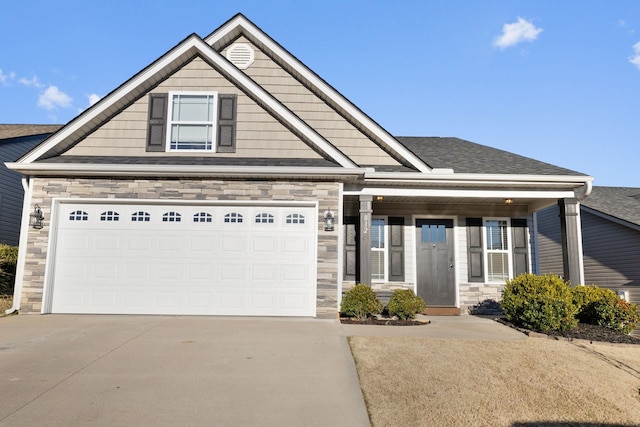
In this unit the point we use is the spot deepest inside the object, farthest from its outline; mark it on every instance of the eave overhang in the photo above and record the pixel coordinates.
(127, 170)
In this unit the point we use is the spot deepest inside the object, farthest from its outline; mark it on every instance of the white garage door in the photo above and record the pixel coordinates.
(185, 259)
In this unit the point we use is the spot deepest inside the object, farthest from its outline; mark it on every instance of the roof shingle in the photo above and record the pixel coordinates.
(469, 157)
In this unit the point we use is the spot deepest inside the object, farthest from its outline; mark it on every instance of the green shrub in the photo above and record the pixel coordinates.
(360, 302)
(405, 304)
(618, 315)
(586, 297)
(540, 303)
(8, 262)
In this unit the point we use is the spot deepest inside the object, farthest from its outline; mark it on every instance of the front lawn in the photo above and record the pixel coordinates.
(411, 381)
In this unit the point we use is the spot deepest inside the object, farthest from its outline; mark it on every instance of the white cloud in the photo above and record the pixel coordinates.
(53, 98)
(635, 58)
(6, 77)
(517, 32)
(31, 82)
(93, 98)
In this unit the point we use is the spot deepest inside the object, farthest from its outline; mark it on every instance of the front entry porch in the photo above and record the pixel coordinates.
(454, 253)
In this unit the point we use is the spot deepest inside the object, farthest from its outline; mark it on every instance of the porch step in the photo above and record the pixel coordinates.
(442, 311)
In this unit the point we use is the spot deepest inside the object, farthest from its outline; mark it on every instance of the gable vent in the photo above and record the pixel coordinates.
(241, 55)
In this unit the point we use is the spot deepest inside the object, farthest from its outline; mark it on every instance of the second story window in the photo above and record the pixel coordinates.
(192, 121)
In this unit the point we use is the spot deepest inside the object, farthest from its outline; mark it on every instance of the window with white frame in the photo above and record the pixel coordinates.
(498, 252)
(192, 118)
(378, 249)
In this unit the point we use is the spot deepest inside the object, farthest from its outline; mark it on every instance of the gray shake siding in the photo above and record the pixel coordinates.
(326, 193)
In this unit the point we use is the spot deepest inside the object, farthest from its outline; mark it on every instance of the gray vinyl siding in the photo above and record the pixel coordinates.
(550, 241)
(611, 252)
(11, 192)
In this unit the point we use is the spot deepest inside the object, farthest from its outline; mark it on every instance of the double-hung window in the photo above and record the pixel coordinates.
(191, 124)
(378, 249)
(498, 253)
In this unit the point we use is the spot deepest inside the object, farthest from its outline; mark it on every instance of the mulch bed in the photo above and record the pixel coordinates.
(585, 332)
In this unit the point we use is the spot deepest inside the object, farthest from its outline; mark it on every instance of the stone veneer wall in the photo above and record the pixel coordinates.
(45, 189)
(477, 295)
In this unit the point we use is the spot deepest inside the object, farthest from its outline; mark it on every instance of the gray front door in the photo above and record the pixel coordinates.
(434, 259)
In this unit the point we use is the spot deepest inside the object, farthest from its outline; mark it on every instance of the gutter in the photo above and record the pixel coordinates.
(588, 187)
(87, 169)
(446, 177)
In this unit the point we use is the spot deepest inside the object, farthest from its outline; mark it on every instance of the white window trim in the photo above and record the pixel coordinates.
(214, 122)
(486, 251)
(383, 250)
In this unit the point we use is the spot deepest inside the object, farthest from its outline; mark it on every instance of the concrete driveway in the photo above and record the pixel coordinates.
(165, 370)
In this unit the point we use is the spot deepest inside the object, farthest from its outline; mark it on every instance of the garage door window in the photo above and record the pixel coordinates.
(171, 217)
(109, 216)
(79, 216)
(264, 218)
(233, 217)
(140, 216)
(295, 219)
(202, 217)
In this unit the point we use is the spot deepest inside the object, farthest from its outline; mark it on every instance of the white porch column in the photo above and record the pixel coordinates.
(571, 241)
(366, 209)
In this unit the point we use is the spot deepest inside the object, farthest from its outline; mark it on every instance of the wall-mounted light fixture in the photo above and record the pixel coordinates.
(36, 218)
(379, 198)
(329, 220)
(508, 201)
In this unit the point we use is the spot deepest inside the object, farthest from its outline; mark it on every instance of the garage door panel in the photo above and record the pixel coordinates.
(140, 264)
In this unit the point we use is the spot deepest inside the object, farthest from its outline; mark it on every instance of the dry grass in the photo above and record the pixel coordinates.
(431, 382)
(5, 303)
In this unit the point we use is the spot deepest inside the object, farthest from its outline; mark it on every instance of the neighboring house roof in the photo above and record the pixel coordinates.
(469, 157)
(619, 202)
(15, 131)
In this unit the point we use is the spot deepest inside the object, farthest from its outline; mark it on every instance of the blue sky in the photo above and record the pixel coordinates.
(558, 81)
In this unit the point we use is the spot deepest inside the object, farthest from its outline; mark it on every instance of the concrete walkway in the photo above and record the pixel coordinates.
(166, 371)
(221, 371)
(446, 327)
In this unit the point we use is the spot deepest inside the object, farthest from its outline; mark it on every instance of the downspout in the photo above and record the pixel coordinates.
(22, 246)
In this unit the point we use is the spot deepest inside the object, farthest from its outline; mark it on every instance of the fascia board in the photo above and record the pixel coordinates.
(83, 169)
(459, 193)
(229, 70)
(462, 178)
(252, 31)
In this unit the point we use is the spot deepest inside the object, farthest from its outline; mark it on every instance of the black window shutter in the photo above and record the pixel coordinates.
(226, 138)
(475, 250)
(350, 248)
(157, 128)
(396, 249)
(519, 243)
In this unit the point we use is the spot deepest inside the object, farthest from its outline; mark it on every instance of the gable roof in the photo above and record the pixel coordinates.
(469, 157)
(15, 131)
(239, 25)
(193, 46)
(618, 202)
